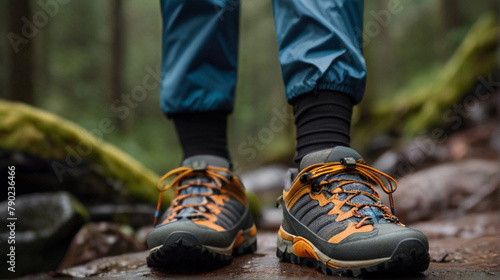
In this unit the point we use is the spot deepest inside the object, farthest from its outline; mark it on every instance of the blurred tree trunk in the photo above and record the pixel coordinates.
(21, 68)
(43, 61)
(449, 18)
(382, 46)
(450, 11)
(117, 53)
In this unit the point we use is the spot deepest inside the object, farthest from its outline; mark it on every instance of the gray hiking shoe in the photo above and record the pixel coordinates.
(209, 220)
(333, 219)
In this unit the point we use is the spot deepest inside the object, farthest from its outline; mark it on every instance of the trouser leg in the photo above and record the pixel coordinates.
(323, 67)
(199, 62)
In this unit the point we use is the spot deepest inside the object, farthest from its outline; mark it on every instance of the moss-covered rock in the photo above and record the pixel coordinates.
(54, 154)
(68, 148)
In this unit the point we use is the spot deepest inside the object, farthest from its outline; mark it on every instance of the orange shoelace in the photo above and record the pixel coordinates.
(182, 173)
(386, 182)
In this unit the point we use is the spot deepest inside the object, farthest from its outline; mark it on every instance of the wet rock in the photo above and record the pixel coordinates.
(414, 155)
(133, 214)
(445, 146)
(474, 142)
(264, 186)
(469, 226)
(458, 188)
(264, 178)
(45, 225)
(34, 174)
(261, 265)
(106, 198)
(97, 240)
(461, 254)
(271, 218)
(266, 182)
(133, 264)
(454, 258)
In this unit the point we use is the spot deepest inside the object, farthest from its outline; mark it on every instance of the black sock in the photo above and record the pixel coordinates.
(202, 133)
(322, 120)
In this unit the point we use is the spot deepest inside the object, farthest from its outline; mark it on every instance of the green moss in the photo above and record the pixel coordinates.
(420, 106)
(255, 205)
(42, 134)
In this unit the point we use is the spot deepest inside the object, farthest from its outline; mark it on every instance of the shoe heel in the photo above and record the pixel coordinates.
(249, 243)
(284, 249)
(244, 249)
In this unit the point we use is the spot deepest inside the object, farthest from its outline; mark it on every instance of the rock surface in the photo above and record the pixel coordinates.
(97, 240)
(45, 225)
(66, 147)
(106, 198)
(481, 141)
(475, 258)
(471, 185)
(266, 182)
(444, 192)
(468, 226)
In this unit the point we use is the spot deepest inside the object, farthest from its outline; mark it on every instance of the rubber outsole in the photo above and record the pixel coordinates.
(410, 257)
(183, 251)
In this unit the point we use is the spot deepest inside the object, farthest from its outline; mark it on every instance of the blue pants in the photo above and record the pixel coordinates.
(319, 48)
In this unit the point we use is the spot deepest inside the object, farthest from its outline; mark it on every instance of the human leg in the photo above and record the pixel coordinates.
(333, 218)
(208, 221)
(200, 48)
(323, 68)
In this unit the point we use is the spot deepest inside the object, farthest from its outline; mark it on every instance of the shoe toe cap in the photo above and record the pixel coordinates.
(161, 233)
(207, 236)
(382, 242)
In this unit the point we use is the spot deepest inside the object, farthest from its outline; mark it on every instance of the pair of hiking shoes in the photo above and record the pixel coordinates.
(333, 219)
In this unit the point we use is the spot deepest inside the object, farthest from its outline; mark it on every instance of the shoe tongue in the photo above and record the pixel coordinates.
(202, 161)
(328, 155)
(335, 155)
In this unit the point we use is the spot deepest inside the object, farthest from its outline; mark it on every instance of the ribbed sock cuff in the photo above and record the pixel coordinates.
(323, 120)
(202, 133)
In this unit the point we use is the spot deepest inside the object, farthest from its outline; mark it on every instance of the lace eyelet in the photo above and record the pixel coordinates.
(315, 187)
(305, 177)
